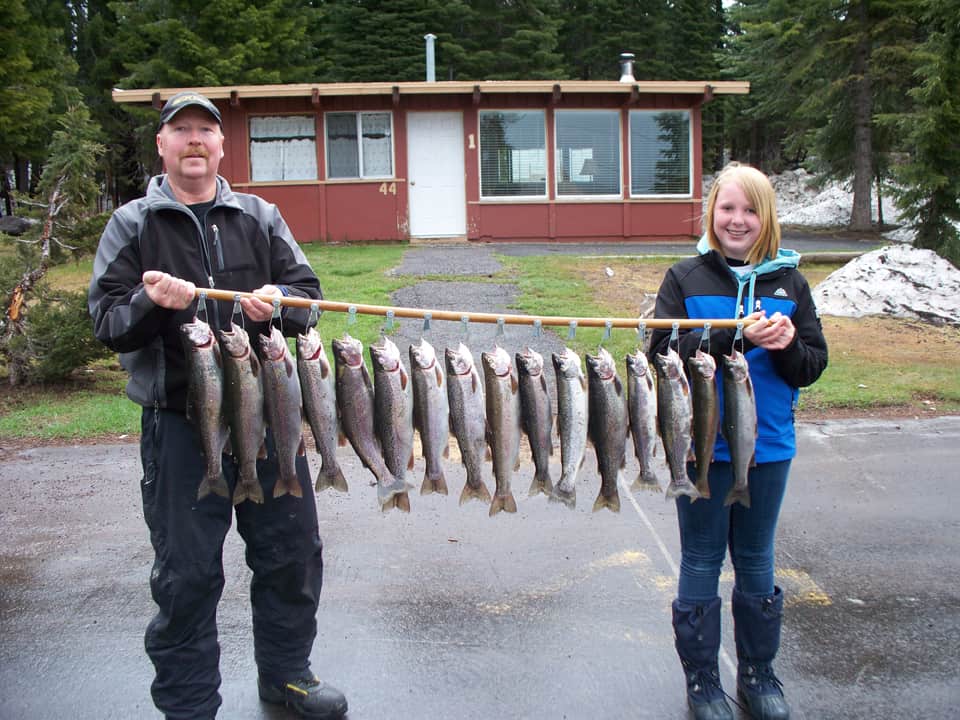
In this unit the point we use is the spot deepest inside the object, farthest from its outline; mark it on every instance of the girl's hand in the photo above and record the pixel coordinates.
(773, 333)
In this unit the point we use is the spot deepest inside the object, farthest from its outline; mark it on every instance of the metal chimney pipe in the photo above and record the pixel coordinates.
(431, 61)
(626, 67)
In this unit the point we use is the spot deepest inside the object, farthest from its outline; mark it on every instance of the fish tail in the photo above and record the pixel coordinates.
(541, 483)
(703, 485)
(478, 492)
(400, 501)
(739, 494)
(248, 486)
(214, 482)
(567, 497)
(505, 503)
(682, 487)
(611, 502)
(288, 483)
(646, 480)
(434, 484)
(389, 488)
(331, 477)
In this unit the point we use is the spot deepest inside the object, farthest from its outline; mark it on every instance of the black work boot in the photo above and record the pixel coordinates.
(756, 623)
(697, 631)
(308, 696)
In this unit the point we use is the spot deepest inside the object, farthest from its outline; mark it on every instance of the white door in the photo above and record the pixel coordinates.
(437, 187)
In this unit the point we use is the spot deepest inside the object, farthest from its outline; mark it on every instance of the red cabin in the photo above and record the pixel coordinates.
(491, 161)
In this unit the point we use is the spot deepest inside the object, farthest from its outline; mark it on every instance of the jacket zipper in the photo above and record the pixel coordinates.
(217, 247)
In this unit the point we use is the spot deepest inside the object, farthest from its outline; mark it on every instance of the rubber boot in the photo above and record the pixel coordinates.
(696, 628)
(756, 626)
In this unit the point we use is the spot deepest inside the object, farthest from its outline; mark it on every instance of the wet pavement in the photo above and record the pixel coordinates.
(549, 613)
(546, 614)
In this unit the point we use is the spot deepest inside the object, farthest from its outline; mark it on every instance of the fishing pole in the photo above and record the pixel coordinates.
(458, 316)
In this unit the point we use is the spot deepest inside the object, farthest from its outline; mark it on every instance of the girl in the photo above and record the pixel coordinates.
(740, 272)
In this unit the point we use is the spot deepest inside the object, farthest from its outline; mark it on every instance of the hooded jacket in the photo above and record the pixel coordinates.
(705, 286)
(243, 245)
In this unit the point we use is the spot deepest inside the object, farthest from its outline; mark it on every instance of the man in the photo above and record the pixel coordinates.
(192, 231)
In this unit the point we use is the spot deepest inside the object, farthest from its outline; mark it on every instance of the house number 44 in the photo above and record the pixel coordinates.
(388, 188)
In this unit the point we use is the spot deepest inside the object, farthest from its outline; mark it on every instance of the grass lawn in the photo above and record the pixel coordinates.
(877, 365)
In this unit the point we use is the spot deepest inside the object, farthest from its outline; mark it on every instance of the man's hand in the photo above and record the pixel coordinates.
(773, 333)
(168, 291)
(255, 308)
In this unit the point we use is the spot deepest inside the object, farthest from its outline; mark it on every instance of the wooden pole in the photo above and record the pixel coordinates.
(456, 316)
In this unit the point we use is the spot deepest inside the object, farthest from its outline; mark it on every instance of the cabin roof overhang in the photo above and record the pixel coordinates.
(233, 93)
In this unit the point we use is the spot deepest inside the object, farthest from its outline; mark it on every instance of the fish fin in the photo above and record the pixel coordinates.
(341, 440)
(541, 484)
(475, 493)
(567, 497)
(503, 503)
(438, 374)
(685, 487)
(288, 365)
(487, 454)
(254, 365)
(302, 448)
(262, 452)
(740, 495)
(446, 450)
(410, 461)
(324, 370)
(475, 382)
(703, 487)
(514, 386)
(332, 479)
(617, 386)
(646, 480)
(434, 484)
(611, 502)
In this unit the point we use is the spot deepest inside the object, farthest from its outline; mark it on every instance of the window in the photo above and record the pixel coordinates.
(283, 148)
(513, 154)
(359, 145)
(660, 152)
(588, 152)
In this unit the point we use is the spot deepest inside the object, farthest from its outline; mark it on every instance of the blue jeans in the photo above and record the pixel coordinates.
(708, 527)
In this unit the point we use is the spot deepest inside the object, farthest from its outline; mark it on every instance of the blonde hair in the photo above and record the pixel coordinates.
(756, 186)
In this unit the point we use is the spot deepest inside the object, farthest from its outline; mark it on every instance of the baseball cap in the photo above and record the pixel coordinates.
(184, 99)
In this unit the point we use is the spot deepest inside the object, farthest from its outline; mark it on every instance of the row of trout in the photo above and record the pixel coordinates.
(234, 395)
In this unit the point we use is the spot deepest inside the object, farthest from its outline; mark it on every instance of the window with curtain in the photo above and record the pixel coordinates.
(660, 152)
(359, 145)
(588, 153)
(513, 154)
(283, 147)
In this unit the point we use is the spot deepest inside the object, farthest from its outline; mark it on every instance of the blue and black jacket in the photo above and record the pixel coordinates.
(705, 286)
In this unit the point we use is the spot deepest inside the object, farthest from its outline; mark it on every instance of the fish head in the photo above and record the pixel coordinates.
(423, 355)
(459, 361)
(567, 364)
(637, 364)
(669, 365)
(197, 335)
(530, 362)
(235, 341)
(735, 366)
(348, 351)
(309, 345)
(385, 356)
(703, 364)
(601, 365)
(274, 345)
(497, 362)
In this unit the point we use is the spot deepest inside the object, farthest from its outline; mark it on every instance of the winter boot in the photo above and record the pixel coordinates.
(756, 624)
(697, 631)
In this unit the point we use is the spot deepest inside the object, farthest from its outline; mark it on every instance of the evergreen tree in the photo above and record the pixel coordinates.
(930, 178)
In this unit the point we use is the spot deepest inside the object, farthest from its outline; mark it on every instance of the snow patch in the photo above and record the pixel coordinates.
(898, 280)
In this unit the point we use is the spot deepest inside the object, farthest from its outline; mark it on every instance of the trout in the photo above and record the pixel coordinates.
(431, 415)
(607, 426)
(243, 406)
(536, 415)
(706, 415)
(571, 424)
(356, 408)
(675, 418)
(642, 408)
(283, 402)
(205, 402)
(393, 413)
(468, 419)
(503, 425)
(319, 390)
(739, 424)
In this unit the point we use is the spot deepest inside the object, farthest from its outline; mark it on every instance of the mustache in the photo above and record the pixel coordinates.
(200, 152)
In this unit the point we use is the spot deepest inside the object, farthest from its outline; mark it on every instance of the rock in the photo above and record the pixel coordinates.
(12, 225)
